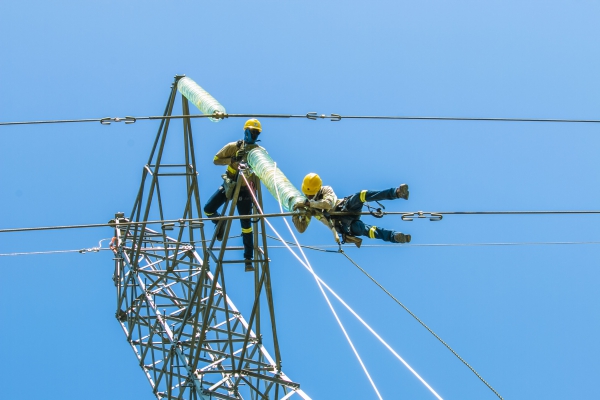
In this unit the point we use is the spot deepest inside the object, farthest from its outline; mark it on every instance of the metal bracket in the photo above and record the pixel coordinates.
(108, 120)
(168, 226)
(421, 214)
(333, 117)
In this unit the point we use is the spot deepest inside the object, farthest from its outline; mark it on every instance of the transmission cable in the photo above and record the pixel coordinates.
(309, 115)
(321, 247)
(406, 216)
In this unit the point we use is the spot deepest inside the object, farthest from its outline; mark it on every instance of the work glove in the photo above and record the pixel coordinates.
(299, 206)
(305, 205)
(238, 156)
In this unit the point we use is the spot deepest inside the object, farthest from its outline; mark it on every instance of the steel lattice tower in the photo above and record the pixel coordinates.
(190, 339)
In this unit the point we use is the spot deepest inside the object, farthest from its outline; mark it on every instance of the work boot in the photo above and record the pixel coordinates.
(401, 238)
(249, 266)
(221, 231)
(402, 191)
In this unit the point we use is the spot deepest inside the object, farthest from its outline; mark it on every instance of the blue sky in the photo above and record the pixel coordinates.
(525, 317)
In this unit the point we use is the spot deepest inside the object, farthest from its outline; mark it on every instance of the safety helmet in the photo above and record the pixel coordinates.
(253, 124)
(311, 184)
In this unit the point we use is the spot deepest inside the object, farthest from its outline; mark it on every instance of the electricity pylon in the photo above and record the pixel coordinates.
(190, 339)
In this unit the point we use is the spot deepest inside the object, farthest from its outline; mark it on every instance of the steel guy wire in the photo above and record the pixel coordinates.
(380, 286)
(195, 220)
(421, 322)
(310, 115)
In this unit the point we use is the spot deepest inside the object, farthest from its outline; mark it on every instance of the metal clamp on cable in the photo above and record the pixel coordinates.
(168, 226)
(333, 117)
(376, 212)
(219, 115)
(421, 214)
(127, 120)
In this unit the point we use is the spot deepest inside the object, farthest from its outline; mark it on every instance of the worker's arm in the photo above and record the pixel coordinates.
(327, 201)
(301, 222)
(223, 156)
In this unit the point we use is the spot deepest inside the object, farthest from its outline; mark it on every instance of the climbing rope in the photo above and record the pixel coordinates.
(307, 265)
(354, 313)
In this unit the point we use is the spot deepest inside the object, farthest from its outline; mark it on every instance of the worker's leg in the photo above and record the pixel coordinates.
(214, 203)
(374, 232)
(211, 210)
(355, 202)
(244, 207)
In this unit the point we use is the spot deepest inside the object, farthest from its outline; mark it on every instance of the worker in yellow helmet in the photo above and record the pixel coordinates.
(322, 199)
(232, 154)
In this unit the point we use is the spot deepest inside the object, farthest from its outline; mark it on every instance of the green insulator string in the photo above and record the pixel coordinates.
(278, 184)
(200, 98)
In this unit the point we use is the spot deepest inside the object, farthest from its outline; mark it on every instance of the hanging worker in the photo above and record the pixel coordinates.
(321, 200)
(232, 154)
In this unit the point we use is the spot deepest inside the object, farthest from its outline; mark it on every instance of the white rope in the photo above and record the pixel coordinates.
(310, 269)
(354, 313)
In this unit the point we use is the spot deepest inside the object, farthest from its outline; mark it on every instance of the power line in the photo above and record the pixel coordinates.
(322, 247)
(407, 216)
(310, 115)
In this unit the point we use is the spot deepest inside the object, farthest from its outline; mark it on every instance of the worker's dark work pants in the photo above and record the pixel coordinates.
(354, 226)
(244, 207)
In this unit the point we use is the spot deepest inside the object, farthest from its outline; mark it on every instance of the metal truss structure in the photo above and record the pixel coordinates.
(189, 338)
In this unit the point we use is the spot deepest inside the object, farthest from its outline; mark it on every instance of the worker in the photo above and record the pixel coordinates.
(321, 200)
(232, 154)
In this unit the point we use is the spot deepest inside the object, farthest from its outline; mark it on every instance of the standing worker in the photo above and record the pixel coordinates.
(322, 199)
(232, 154)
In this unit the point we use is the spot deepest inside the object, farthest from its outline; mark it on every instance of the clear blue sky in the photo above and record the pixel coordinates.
(525, 317)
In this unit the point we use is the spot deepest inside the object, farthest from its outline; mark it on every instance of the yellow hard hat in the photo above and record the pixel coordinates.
(311, 184)
(253, 124)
